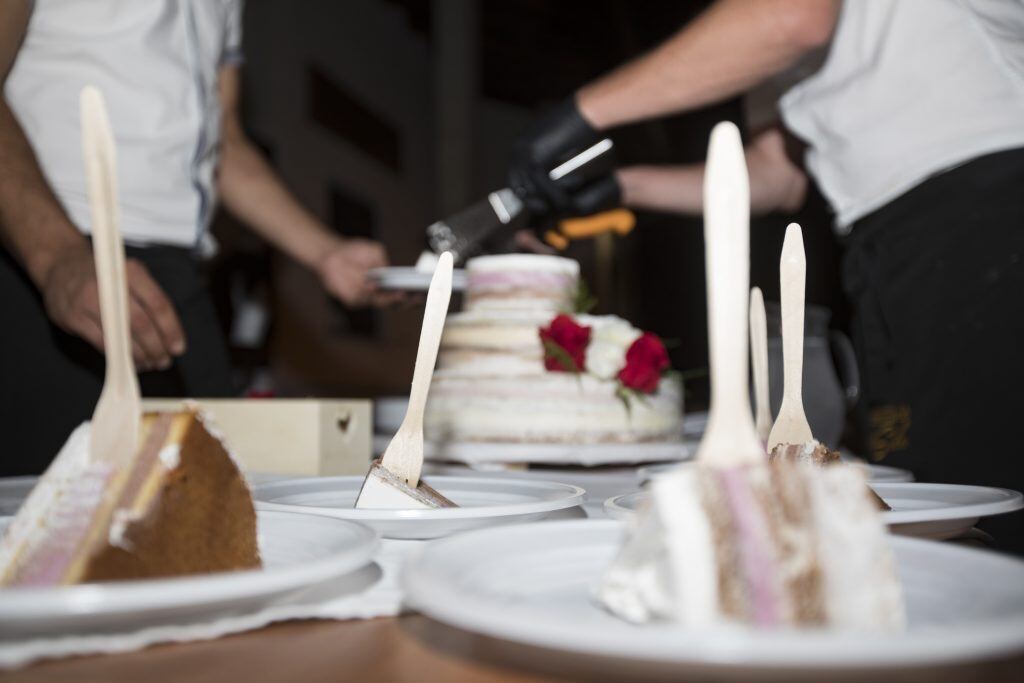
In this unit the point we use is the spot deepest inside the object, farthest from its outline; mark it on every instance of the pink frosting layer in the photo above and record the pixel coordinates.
(756, 555)
(66, 525)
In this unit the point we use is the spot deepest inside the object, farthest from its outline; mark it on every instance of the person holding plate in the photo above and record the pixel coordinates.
(169, 72)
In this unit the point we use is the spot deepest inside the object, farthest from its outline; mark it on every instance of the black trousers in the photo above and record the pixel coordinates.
(936, 279)
(50, 380)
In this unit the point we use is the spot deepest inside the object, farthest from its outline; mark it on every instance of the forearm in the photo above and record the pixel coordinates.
(732, 46)
(776, 184)
(33, 226)
(253, 192)
(670, 189)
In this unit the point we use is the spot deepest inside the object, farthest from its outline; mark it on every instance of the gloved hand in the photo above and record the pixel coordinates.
(556, 136)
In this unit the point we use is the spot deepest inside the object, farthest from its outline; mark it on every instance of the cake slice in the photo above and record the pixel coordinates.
(180, 507)
(818, 454)
(782, 546)
(734, 539)
(393, 481)
(384, 490)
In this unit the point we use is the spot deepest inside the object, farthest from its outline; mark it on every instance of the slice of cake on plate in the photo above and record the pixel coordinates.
(787, 545)
(180, 507)
(393, 481)
(384, 490)
(735, 539)
(818, 454)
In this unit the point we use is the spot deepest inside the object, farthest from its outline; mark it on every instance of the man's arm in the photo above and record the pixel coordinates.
(732, 46)
(776, 184)
(57, 258)
(253, 192)
(729, 48)
(33, 225)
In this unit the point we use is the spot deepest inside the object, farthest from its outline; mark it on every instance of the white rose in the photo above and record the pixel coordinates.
(604, 360)
(610, 338)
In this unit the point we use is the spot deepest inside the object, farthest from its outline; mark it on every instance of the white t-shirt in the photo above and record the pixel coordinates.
(910, 88)
(156, 62)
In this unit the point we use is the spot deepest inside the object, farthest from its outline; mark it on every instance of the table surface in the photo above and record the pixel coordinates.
(410, 648)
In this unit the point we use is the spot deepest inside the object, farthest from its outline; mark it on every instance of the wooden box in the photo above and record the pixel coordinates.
(291, 436)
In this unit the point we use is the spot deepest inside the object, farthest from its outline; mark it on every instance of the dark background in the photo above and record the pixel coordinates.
(384, 115)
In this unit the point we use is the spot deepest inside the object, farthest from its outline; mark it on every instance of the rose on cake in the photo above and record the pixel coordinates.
(605, 347)
(565, 343)
(646, 361)
(611, 340)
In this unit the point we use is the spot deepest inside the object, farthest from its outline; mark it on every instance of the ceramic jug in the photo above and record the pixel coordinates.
(830, 377)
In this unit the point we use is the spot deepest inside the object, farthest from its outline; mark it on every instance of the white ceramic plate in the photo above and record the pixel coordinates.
(587, 455)
(876, 473)
(482, 502)
(298, 551)
(533, 584)
(942, 510)
(624, 506)
(13, 491)
(935, 511)
(598, 482)
(409, 279)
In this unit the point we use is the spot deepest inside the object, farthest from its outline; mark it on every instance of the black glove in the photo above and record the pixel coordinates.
(558, 135)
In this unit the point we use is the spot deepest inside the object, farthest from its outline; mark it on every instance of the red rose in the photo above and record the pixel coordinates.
(565, 344)
(646, 359)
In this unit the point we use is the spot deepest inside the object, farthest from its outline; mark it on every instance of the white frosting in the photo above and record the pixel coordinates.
(693, 570)
(521, 282)
(523, 262)
(170, 455)
(666, 569)
(862, 592)
(427, 262)
(513, 334)
(549, 407)
(117, 534)
(379, 494)
(469, 364)
(29, 524)
(637, 586)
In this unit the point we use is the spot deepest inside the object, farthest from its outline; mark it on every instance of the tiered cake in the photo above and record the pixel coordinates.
(499, 381)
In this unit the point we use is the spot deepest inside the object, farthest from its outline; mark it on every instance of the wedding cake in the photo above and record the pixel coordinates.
(517, 365)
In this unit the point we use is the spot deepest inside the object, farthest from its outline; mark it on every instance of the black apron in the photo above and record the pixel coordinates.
(50, 380)
(936, 280)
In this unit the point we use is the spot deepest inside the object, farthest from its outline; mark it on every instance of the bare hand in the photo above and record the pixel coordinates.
(344, 272)
(71, 295)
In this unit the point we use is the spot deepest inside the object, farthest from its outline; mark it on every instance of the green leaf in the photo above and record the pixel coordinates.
(583, 301)
(693, 373)
(624, 394)
(561, 356)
